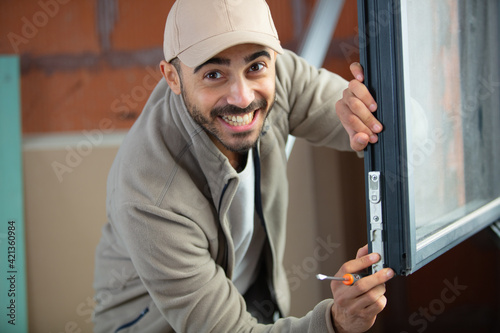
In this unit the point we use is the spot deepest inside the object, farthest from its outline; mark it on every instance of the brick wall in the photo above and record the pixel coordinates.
(84, 62)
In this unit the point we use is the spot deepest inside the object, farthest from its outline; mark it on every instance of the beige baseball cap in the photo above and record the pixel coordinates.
(197, 30)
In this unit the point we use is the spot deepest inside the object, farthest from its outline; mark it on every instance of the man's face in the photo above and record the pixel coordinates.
(231, 94)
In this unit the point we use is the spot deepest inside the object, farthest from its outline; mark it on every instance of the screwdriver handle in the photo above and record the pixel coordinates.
(350, 279)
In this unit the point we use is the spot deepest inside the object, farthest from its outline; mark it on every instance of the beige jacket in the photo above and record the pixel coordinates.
(166, 257)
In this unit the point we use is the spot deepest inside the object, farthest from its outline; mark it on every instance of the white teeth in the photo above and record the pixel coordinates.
(239, 120)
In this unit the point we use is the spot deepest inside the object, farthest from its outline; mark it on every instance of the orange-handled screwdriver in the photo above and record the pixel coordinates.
(347, 279)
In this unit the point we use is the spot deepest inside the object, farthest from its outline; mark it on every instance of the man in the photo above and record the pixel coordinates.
(197, 195)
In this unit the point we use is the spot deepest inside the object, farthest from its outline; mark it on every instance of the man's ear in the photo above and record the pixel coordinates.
(171, 76)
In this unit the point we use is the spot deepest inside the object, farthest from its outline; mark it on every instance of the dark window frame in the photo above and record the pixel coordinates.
(381, 55)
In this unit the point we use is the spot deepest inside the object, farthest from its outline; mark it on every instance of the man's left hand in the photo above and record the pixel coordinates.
(355, 111)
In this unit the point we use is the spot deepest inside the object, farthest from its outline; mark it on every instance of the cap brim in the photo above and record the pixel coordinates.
(204, 50)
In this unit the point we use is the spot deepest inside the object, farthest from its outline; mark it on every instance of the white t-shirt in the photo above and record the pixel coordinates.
(248, 235)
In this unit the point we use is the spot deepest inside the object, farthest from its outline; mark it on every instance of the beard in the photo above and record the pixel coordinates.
(243, 141)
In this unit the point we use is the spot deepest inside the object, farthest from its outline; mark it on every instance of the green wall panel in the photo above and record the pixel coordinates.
(13, 296)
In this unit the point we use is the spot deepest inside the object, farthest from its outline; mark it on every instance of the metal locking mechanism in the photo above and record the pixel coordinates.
(376, 225)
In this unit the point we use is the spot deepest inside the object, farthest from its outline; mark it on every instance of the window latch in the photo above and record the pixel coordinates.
(376, 225)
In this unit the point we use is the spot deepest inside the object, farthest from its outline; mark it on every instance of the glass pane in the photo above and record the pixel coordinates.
(452, 101)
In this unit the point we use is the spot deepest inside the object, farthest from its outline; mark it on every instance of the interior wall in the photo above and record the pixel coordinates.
(64, 216)
(300, 261)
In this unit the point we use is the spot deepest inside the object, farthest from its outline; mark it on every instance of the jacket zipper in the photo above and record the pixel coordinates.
(260, 212)
(223, 248)
(258, 194)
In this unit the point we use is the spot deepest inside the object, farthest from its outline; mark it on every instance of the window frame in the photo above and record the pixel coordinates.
(382, 56)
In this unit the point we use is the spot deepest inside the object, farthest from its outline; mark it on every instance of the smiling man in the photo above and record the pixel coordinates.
(197, 194)
(229, 95)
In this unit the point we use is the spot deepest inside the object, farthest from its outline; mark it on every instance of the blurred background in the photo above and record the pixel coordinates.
(88, 67)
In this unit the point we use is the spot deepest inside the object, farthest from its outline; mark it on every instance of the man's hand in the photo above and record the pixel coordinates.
(355, 111)
(355, 307)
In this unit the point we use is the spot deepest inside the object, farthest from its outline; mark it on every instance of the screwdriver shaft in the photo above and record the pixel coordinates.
(348, 279)
(327, 277)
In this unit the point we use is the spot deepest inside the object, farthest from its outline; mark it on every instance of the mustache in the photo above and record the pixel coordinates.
(232, 110)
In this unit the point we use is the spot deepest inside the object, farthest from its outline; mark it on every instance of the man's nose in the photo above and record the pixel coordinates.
(241, 93)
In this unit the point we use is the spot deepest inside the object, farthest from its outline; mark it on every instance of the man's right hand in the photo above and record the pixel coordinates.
(356, 307)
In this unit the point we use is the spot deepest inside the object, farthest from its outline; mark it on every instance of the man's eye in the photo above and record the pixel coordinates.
(213, 75)
(256, 67)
